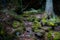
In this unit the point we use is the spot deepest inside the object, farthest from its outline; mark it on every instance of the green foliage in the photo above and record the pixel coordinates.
(16, 24)
(36, 25)
(31, 19)
(21, 29)
(51, 21)
(50, 34)
(57, 35)
(32, 12)
(2, 32)
(44, 20)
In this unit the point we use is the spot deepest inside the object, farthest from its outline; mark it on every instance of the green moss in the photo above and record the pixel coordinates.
(36, 30)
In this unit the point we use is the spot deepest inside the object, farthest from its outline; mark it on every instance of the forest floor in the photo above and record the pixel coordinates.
(28, 26)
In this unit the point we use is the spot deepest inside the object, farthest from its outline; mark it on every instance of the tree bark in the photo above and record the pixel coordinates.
(49, 7)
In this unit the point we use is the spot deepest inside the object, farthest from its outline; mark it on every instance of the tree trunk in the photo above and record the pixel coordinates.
(49, 7)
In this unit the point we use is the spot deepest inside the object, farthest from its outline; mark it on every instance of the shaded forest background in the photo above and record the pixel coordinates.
(28, 4)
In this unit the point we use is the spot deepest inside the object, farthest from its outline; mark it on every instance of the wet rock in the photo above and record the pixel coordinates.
(57, 28)
(28, 24)
(46, 28)
(17, 33)
(39, 36)
(39, 16)
(9, 30)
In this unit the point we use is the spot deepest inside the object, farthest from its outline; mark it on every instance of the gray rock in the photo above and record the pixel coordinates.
(57, 28)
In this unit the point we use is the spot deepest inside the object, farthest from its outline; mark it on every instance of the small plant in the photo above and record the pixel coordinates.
(44, 20)
(57, 35)
(19, 26)
(53, 35)
(31, 19)
(36, 25)
(16, 24)
(49, 35)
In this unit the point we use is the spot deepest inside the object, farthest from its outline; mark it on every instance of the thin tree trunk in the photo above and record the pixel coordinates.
(49, 6)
